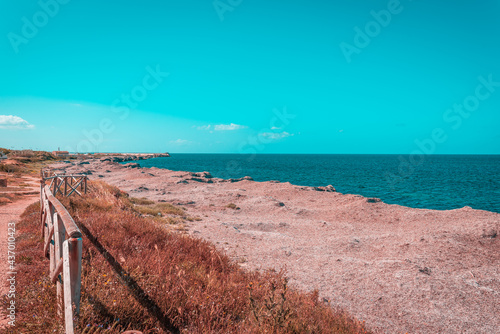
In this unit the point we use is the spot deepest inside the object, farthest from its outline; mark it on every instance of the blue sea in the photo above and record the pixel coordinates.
(440, 182)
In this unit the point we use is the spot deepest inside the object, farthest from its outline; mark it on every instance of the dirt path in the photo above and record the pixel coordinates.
(9, 213)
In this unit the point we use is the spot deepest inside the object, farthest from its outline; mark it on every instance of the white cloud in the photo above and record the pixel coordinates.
(275, 128)
(179, 142)
(276, 135)
(14, 123)
(229, 127)
(222, 127)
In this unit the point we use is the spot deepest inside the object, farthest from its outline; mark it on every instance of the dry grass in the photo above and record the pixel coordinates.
(159, 209)
(10, 168)
(6, 198)
(138, 275)
(141, 201)
(164, 213)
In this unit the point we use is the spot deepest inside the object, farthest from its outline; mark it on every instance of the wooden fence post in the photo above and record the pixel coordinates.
(75, 256)
(43, 212)
(51, 225)
(68, 303)
(58, 240)
(54, 192)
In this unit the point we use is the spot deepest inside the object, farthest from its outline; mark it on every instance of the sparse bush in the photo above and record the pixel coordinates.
(159, 209)
(4, 151)
(141, 201)
(22, 153)
(232, 206)
(10, 168)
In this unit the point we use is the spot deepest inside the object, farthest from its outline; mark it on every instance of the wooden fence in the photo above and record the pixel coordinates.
(65, 184)
(63, 243)
(63, 246)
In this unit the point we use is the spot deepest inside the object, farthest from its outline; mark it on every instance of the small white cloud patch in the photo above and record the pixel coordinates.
(276, 135)
(222, 127)
(229, 127)
(179, 142)
(14, 123)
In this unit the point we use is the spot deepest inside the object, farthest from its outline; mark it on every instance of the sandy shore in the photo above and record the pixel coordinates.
(399, 269)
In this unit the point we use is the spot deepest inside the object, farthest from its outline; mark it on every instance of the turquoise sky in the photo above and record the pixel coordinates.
(230, 76)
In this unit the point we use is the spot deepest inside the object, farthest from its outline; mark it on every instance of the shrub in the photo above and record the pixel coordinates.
(141, 201)
(159, 210)
(10, 168)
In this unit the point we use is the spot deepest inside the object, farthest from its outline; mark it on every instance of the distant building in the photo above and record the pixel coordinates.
(3, 156)
(62, 154)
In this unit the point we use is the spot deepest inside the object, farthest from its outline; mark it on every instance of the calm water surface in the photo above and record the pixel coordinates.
(439, 182)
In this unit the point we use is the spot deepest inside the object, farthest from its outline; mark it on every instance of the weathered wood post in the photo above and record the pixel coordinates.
(51, 227)
(65, 186)
(54, 191)
(75, 256)
(58, 240)
(42, 206)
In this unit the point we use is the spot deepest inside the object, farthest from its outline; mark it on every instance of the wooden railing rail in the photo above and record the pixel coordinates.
(63, 246)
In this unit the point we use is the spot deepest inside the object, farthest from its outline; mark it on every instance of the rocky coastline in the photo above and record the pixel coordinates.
(132, 157)
(398, 268)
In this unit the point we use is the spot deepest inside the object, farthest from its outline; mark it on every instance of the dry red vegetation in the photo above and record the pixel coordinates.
(139, 275)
